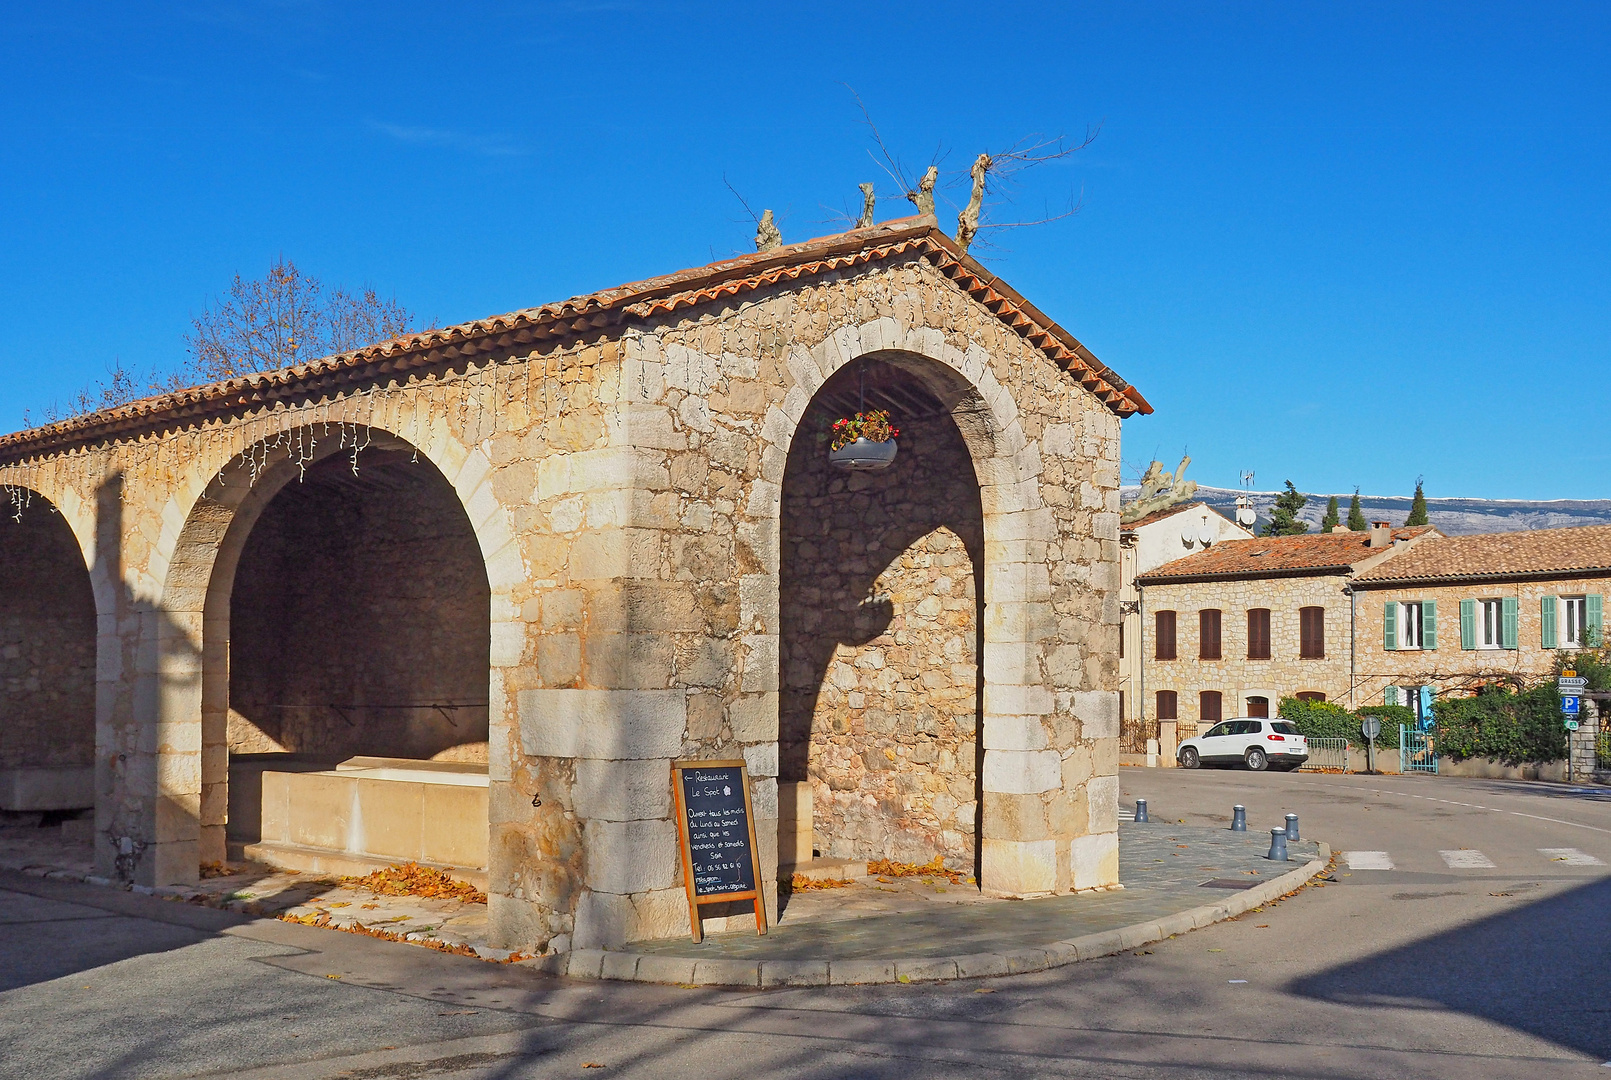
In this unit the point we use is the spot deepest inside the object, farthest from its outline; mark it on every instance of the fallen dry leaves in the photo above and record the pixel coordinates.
(935, 868)
(412, 879)
(801, 883)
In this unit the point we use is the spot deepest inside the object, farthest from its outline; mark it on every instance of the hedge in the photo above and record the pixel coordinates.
(1499, 724)
(1325, 720)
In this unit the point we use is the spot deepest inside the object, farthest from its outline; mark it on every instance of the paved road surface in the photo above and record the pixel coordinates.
(1439, 966)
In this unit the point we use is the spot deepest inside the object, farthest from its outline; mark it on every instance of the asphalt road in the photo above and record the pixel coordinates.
(1424, 970)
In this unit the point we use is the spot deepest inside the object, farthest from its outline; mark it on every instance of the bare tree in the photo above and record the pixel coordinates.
(284, 319)
(992, 175)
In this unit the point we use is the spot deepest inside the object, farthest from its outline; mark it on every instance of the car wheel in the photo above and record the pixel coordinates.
(1257, 759)
(1189, 758)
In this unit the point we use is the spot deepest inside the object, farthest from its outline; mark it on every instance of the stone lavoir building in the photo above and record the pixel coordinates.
(464, 596)
(1232, 630)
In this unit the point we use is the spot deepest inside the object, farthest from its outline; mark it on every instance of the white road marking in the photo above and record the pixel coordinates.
(1367, 860)
(1571, 856)
(1467, 859)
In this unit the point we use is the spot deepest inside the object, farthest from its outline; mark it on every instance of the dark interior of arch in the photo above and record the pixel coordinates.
(360, 618)
(47, 643)
(881, 582)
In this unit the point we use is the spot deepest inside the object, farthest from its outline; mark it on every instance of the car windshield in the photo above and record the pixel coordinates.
(1283, 728)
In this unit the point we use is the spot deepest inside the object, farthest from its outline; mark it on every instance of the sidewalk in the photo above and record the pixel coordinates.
(1176, 878)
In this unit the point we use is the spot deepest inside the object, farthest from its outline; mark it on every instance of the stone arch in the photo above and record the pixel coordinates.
(50, 607)
(1015, 763)
(207, 525)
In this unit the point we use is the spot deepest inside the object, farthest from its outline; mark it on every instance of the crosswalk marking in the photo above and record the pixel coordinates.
(1367, 860)
(1466, 859)
(1571, 856)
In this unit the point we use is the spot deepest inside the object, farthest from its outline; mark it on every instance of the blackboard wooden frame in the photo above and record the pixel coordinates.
(694, 899)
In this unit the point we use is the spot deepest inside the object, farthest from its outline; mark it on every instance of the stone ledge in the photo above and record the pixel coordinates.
(651, 967)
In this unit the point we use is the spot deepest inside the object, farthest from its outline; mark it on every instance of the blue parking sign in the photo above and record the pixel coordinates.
(1569, 704)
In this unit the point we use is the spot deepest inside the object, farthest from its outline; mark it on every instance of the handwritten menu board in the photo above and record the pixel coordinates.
(717, 830)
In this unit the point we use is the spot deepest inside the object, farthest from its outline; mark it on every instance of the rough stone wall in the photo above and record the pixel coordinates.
(625, 489)
(358, 619)
(1450, 668)
(880, 647)
(1235, 676)
(47, 644)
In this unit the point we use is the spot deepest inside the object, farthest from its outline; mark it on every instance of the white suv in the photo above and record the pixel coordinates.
(1257, 743)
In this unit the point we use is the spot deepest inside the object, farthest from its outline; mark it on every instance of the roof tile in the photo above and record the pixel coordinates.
(1277, 555)
(1500, 555)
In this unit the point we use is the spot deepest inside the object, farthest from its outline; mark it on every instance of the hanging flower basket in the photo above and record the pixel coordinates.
(863, 442)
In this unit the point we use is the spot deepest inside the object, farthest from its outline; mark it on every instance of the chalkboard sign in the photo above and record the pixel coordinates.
(720, 862)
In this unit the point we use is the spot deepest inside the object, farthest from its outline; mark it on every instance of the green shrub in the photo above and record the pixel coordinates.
(1505, 726)
(1325, 720)
(1391, 717)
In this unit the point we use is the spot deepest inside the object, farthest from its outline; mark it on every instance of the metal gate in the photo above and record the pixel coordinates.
(1327, 755)
(1415, 750)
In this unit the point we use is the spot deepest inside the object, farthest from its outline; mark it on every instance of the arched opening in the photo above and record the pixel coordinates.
(881, 603)
(356, 609)
(47, 663)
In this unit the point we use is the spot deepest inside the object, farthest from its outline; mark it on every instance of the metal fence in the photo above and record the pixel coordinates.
(1327, 755)
(1415, 751)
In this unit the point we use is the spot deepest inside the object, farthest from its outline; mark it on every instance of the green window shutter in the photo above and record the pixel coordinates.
(1593, 620)
(1429, 624)
(1390, 626)
(1468, 624)
(1390, 695)
(1507, 629)
(1549, 639)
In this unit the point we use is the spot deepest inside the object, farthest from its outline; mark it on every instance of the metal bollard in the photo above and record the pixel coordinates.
(1278, 845)
(1238, 818)
(1141, 811)
(1292, 828)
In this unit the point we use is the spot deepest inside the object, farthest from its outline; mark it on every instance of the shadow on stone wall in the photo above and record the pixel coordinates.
(881, 586)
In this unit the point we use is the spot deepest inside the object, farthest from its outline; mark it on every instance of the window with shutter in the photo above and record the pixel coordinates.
(1258, 633)
(1429, 624)
(1208, 634)
(1208, 706)
(1508, 640)
(1163, 635)
(1593, 621)
(1491, 624)
(1312, 633)
(1168, 703)
(1547, 635)
(1468, 624)
(1258, 706)
(1390, 625)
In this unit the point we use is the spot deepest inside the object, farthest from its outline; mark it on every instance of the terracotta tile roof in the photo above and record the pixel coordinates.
(1491, 556)
(596, 312)
(1159, 515)
(1277, 556)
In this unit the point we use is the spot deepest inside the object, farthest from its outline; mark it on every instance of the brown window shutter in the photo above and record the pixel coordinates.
(1167, 705)
(1208, 634)
(1164, 635)
(1208, 706)
(1312, 633)
(1258, 633)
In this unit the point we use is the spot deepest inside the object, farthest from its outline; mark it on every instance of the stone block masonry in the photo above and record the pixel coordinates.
(623, 465)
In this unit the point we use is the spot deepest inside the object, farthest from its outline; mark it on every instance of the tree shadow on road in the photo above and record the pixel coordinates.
(1543, 968)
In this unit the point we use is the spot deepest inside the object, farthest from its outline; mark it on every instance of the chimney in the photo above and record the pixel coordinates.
(1381, 534)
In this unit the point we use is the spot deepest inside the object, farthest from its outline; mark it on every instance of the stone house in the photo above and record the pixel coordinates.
(1145, 544)
(1231, 630)
(464, 596)
(1459, 612)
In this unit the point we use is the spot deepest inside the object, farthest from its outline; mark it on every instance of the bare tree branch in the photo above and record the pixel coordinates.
(741, 200)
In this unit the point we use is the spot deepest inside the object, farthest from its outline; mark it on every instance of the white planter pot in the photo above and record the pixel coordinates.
(861, 455)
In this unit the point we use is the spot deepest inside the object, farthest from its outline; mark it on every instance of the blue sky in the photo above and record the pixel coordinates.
(1342, 244)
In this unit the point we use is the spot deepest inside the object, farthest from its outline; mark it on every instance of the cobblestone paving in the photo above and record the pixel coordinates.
(1162, 867)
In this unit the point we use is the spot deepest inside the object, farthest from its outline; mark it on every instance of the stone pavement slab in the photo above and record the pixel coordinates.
(879, 930)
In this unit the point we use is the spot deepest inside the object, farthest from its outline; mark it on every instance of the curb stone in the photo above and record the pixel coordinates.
(656, 968)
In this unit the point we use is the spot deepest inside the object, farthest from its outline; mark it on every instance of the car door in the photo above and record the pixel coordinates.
(1247, 733)
(1219, 744)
